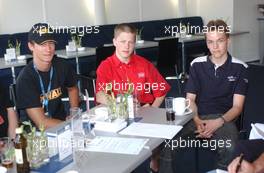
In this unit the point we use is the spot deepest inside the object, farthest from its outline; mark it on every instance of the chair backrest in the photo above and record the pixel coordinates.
(168, 56)
(12, 93)
(12, 96)
(103, 52)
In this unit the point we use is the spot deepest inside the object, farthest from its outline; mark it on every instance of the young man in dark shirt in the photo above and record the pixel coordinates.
(41, 84)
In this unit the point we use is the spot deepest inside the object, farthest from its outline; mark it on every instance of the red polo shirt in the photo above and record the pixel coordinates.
(147, 81)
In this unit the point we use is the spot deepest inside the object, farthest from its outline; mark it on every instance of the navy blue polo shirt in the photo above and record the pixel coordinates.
(215, 86)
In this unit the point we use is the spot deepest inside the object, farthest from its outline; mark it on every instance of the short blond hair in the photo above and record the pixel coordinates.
(219, 26)
(124, 27)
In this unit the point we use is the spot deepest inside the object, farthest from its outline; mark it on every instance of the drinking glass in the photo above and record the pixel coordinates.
(170, 114)
(7, 152)
(75, 111)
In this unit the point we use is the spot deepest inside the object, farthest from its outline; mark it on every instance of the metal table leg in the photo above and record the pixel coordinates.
(183, 58)
(77, 65)
(183, 75)
(78, 73)
(13, 74)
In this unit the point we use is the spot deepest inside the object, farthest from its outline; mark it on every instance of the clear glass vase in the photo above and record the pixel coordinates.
(33, 151)
(37, 150)
(111, 106)
(121, 110)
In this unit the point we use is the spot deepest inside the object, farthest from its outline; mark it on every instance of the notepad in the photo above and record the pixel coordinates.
(119, 145)
(151, 130)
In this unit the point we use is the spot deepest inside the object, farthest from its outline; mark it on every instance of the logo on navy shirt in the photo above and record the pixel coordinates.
(231, 78)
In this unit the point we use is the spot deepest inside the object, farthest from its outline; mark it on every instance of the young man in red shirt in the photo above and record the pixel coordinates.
(124, 68)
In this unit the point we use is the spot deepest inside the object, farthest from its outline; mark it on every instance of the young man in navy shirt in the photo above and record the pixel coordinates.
(216, 87)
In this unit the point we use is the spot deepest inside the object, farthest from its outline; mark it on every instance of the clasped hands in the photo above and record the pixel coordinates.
(206, 128)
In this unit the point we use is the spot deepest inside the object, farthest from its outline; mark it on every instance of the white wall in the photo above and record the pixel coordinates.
(191, 7)
(19, 15)
(69, 12)
(159, 9)
(118, 11)
(215, 9)
(245, 18)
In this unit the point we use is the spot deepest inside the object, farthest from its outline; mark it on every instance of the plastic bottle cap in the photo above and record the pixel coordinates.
(19, 130)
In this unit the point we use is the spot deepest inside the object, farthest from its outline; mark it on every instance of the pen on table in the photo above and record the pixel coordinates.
(241, 157)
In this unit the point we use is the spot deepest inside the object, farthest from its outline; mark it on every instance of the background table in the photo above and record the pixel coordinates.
(88, 51)
(18, 63)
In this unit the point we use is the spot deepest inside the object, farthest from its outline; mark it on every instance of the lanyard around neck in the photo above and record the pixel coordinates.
(45, 102)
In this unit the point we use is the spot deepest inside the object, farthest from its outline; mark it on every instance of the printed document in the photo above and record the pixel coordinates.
(151, 130)
(119, 145)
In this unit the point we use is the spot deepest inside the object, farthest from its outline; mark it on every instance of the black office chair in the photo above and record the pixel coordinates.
(102, 52)
(12, 96)
(194, 50)
(168, 57)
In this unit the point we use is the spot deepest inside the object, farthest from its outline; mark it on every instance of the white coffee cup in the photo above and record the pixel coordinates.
(180, 104)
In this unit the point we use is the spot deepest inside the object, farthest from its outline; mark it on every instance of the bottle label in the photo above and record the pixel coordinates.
(19, 156)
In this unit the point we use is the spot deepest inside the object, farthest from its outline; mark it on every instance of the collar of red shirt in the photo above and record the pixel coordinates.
(118, 63)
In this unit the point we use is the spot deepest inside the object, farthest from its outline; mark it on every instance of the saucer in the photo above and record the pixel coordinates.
(187, 112)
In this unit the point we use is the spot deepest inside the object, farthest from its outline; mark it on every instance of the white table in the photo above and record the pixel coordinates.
(146, 44)
(88, 51)
(17, 63)
(120, 163)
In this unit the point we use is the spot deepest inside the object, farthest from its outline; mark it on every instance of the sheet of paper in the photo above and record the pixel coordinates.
(152, 130)
(257, 131)
(116, 145)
